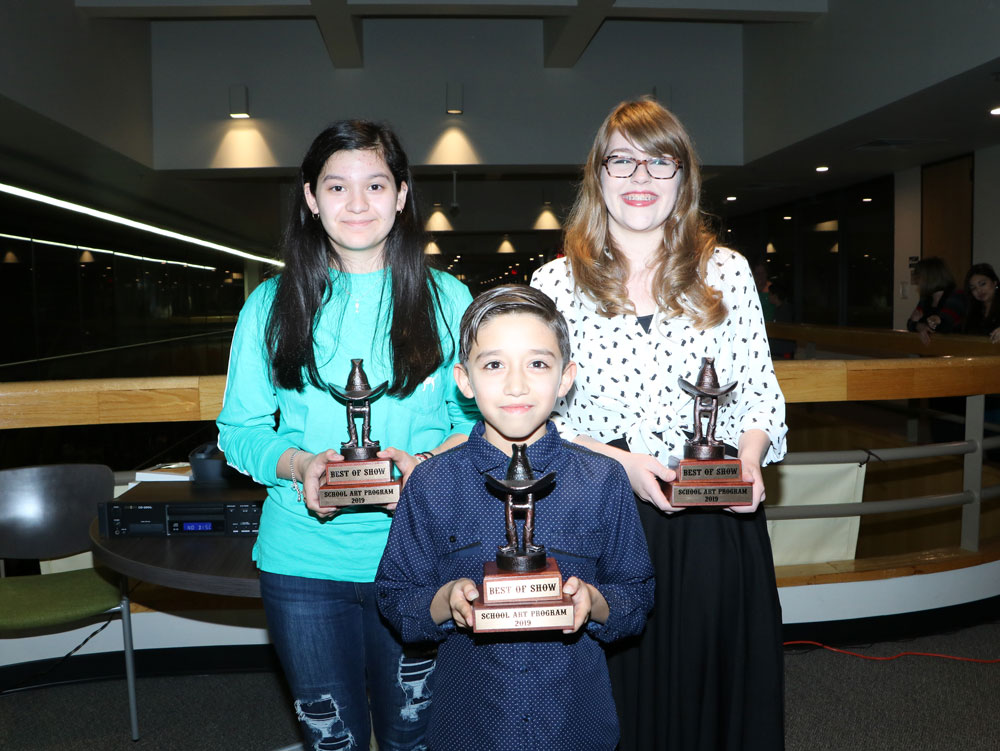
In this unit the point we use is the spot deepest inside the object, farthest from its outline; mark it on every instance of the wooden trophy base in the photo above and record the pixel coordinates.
(522, 601)
(716, 482)
(502, 587)
(359, 483)
(528, 616)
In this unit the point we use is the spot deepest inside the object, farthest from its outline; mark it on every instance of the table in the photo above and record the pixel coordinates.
(213, 565)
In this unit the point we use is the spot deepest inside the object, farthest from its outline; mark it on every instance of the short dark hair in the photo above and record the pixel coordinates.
(510, 299)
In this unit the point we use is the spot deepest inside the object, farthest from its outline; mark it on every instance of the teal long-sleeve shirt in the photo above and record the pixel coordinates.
(353, 324)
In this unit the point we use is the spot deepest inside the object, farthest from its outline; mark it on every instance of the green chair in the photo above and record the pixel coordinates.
(45, 513)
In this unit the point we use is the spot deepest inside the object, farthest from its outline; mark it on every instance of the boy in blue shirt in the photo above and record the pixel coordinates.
(527, 690)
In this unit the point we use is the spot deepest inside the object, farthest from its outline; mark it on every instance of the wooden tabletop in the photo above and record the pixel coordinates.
(214, 565)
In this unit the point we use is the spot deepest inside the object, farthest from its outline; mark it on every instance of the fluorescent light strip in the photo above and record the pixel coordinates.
(114, 218)
(108, 252)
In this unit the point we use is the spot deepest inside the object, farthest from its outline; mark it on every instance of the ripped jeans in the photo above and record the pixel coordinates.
(337, 651)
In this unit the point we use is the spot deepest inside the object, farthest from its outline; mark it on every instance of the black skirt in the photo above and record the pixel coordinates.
(707, 673)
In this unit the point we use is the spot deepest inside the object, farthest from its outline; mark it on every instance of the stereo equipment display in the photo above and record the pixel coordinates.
(164, 519)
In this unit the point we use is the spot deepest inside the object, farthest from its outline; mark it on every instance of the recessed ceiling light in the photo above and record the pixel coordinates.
(995, 111)
(822, 168)
(786, 218)
(866, 200)
(730, 198)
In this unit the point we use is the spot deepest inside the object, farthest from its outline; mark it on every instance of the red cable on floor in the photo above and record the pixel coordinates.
(893, 657)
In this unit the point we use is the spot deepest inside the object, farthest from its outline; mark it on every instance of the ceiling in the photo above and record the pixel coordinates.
(936, 123)
(941, 122)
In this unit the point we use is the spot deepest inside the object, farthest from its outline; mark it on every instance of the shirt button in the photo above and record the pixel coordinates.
(525, 718)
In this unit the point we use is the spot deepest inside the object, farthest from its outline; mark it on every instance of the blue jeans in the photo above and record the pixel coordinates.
(337, 652)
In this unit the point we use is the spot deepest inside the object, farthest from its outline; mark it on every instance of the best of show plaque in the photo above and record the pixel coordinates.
(362, 478)
(522, 590)
(704, 476)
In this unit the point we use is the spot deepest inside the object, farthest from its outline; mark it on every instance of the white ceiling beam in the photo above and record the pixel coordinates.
(175, 9)
(566, 37)
(341, 31)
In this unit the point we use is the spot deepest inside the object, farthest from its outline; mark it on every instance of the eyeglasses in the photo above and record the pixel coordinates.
(659, 168)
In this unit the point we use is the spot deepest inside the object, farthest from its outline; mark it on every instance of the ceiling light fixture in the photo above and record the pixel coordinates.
(453, 98)
(822, 168)
(239, 102)
(141, 226)
(87, 249)
(547, 219)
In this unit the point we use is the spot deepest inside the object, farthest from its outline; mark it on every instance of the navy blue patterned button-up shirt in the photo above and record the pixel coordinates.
(529, 690)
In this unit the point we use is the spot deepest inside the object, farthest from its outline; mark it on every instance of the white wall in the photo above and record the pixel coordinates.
(800, 79)
(295, 91)
(93, 76)
(150, 630)
(906, 243)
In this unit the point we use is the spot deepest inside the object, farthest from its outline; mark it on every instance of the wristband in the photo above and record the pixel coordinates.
(295, 484)
(422, 456)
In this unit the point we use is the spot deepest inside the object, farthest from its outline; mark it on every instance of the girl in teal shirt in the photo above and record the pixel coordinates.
(354, 285)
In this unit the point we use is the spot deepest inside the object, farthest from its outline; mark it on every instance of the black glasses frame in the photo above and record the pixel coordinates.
(678, 166)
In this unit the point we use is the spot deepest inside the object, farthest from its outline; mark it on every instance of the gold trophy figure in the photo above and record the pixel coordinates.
(522, 589)
(704, 476)
(362, 478)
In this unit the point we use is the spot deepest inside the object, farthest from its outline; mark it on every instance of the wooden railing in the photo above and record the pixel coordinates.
(964, 366)
(34, 404)
(880, 342)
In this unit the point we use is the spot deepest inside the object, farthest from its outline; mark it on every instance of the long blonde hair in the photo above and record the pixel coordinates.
(600, 269)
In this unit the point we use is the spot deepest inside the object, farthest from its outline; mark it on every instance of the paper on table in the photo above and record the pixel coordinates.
(173, 472)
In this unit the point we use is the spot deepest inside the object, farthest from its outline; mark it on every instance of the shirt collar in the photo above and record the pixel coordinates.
(488, 459)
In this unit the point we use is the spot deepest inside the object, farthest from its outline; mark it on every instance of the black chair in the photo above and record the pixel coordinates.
(45, 513)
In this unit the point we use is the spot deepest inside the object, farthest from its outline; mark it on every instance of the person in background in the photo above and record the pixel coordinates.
(354, 285)
(983, 317)
(941, 305)
(763, 283)
(777, 293)
(647, 293)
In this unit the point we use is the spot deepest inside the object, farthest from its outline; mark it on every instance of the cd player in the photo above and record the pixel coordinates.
(190, 518)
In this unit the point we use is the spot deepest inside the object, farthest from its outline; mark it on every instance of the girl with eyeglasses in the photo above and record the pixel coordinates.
(648, 292)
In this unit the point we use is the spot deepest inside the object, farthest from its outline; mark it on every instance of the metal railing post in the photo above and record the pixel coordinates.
(972, 472)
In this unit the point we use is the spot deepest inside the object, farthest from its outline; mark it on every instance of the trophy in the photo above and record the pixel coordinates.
(704, 476)
(362, 478)
(522, 590)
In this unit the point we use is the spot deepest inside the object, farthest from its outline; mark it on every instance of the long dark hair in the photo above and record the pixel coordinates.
(304, 285)
(982, 316)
